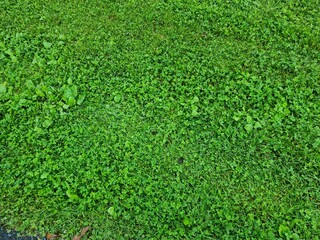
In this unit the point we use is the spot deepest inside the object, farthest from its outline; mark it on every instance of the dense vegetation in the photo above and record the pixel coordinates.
(177, 119)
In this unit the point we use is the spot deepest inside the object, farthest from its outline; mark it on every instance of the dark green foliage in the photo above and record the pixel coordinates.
(161, 120)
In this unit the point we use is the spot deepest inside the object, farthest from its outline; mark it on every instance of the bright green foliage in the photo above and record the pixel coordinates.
(161, 119)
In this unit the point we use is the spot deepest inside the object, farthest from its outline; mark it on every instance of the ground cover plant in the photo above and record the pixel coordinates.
(160, 119)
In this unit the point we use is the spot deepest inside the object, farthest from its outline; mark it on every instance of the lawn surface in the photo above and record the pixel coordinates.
(155, 119)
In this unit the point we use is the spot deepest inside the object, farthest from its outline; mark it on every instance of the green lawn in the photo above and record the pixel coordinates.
(177, 119)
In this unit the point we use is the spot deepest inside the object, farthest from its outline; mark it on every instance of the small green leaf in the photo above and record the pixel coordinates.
(236, 118)
(12, 56)
(39, 92)
(62, 37)
(23, 102)
(285, 104)
(257, 125)
(80, 99)
(44, 88)
(30, 84)
(47, 44)
(195, 99)
(47, 123)
(44, 175)
(38, 130)
(111, 211)
(65, 106)
(70, 92)
(69, 81)
(117, 98)
(186, 221)
(3, 88)
(249, 119)
(248, 127)
(194, 110)
(283, 231)
(72, 196)
(71, 101)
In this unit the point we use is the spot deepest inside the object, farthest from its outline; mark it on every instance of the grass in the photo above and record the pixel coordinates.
(160, 119)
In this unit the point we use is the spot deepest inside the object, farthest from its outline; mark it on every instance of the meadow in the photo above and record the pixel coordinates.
(176, 119)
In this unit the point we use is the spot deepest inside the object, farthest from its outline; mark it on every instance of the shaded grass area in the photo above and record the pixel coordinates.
(5, 235)
(177, 119)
